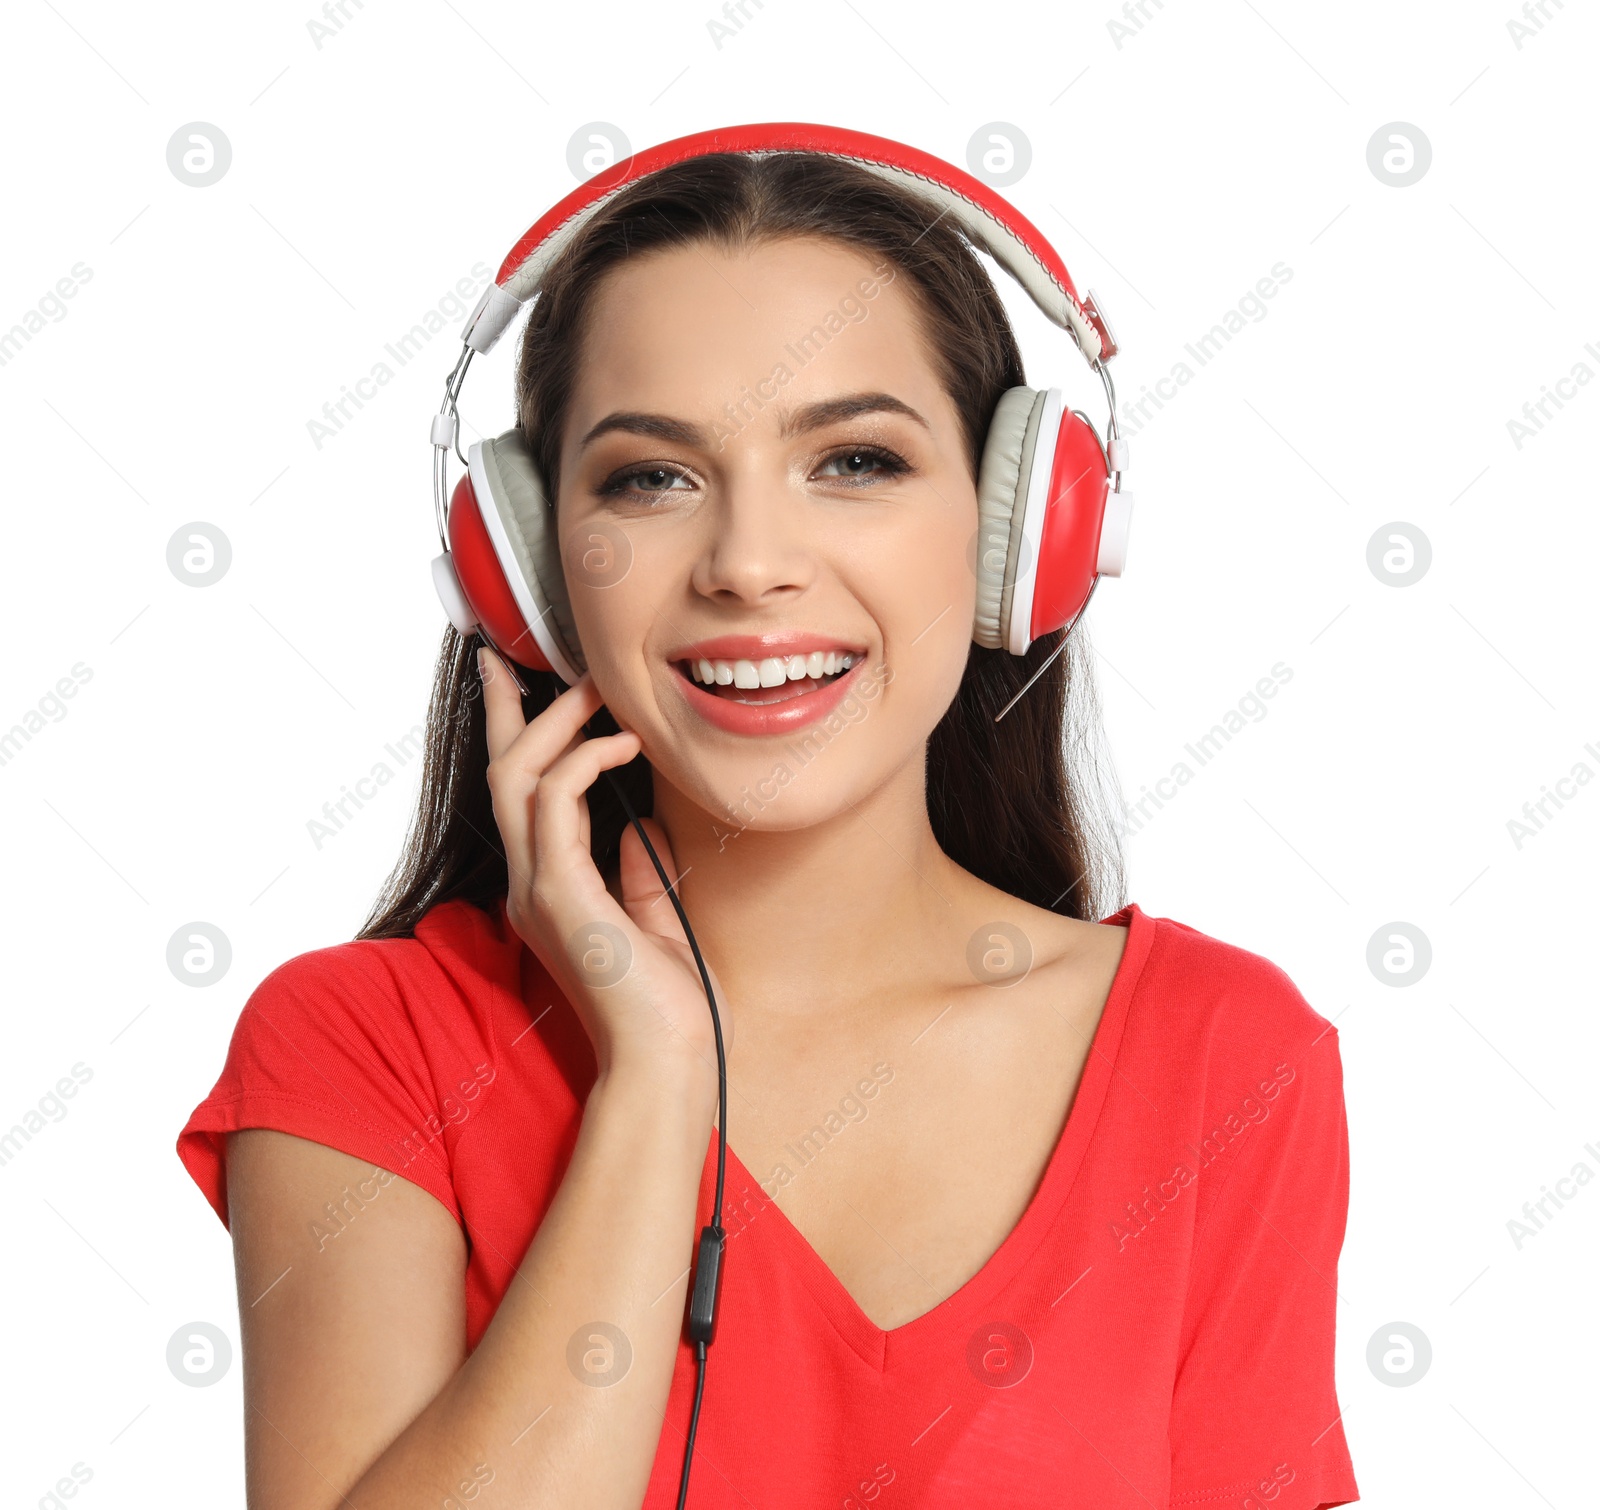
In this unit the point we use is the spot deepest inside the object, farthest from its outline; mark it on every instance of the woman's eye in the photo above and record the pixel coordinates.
(865, 463)
(858, 464)
(652, 480)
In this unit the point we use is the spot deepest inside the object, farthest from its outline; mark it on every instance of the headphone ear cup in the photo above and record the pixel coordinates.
(1070, 537)
(1042, 512)
(521, 524)
(1008, 455)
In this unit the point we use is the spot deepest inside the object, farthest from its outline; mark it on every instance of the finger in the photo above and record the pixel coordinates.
(562, 864)
(514, 770)
(554, 728)
(502, 703)
(643, 897)
(553, 732)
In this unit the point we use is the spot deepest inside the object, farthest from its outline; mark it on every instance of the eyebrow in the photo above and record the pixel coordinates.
(812, 417)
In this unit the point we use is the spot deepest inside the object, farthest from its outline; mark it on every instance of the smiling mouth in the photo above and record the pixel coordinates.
(777, 679)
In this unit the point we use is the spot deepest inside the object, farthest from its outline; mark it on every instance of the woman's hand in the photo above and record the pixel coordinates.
(627, 970)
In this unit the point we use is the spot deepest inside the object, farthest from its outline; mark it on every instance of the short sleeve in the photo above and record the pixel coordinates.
(325, 1049)
(1254, 1412)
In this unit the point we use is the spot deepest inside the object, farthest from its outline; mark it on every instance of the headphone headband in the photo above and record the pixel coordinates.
(986, 218)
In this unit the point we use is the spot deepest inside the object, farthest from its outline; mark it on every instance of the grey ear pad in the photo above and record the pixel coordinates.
(1002, 482)
(518, 494)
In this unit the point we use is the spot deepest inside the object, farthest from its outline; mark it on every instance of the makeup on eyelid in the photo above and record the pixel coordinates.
(890, 463)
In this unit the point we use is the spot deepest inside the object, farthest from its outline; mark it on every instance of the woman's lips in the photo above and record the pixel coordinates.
(757, 711)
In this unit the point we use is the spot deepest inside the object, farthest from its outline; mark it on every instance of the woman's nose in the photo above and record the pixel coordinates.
(756, 542)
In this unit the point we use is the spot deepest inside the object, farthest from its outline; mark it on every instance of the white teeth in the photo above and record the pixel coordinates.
(773, 671)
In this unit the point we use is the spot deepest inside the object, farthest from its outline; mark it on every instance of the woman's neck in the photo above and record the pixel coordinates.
(814, 919)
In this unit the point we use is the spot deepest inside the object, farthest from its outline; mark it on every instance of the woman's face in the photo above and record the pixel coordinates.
(761, 472)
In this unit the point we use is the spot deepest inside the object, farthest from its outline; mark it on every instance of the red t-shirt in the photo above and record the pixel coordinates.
(1158, 1329)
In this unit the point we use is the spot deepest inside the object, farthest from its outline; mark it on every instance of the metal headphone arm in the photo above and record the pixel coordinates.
(447, 437)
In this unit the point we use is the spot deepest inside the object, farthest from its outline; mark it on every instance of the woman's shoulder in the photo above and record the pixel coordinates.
(1224, 1002)
(1228, 1044)
(368, 1045)
(1220, 990)
(455, 950)
(420, 1006)
(393, 1005)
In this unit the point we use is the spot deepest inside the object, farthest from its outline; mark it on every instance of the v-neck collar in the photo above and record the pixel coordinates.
(876, 1346)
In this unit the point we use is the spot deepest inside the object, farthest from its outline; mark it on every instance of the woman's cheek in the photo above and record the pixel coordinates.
(948, 609)
(612, 633)
(918, 682)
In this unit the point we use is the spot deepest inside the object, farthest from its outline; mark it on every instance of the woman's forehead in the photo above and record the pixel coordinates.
(698, 327)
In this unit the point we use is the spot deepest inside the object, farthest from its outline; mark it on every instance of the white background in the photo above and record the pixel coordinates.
(1172, 171)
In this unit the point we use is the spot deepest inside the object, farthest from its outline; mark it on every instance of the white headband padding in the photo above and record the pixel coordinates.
(982, 228)
(1004, 246)
(487, 323)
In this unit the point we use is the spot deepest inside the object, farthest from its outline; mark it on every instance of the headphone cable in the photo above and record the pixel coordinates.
(706, 1287)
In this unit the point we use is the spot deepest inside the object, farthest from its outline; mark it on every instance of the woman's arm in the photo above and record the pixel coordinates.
(356, 1391)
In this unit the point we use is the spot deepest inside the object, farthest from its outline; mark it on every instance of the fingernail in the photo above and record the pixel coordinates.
(482, 672)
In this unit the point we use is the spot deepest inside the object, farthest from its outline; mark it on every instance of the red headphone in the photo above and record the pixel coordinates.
(1052, 515)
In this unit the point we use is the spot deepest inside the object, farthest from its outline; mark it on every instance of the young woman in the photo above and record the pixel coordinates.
(1028, 1201)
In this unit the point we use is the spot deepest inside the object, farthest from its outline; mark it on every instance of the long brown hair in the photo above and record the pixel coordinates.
(1023, 803)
